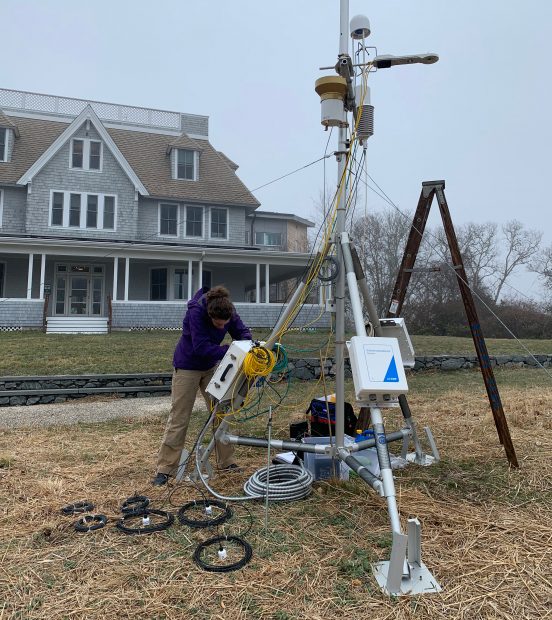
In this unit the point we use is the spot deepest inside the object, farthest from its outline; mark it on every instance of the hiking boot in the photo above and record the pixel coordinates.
(160, 480)
(232, 468)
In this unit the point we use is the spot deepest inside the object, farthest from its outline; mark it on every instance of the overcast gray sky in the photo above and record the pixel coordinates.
(480, 118)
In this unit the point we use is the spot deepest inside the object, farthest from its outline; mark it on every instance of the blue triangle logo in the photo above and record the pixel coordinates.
(391, 376)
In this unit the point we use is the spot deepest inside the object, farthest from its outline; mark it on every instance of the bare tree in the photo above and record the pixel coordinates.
(480, 249)
(542, 265)
(520, 247)
(380, 239)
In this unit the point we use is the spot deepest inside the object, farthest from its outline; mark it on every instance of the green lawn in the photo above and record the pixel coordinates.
(35, 353)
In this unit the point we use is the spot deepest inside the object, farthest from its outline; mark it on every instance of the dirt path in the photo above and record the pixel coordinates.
(88, 410)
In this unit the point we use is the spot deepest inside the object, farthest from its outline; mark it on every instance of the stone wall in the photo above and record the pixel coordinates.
(47, 389)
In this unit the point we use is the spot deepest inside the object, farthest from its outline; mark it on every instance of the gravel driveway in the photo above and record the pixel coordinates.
(73, 412)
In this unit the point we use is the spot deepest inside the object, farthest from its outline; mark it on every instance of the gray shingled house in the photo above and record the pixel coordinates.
(115, 214)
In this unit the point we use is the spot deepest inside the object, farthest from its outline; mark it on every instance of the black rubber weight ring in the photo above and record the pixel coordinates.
(223, 568)
(89, 523)
(77, 507)
(135, 504)
(146, 529)
(224, 516)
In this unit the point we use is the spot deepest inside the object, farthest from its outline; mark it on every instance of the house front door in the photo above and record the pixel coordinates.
(78, 295)
(79, 290)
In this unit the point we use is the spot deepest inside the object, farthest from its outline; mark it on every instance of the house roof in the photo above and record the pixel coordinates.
(35, 136)
(228, 161)
(89, 115)
(274, 215)
(184, 142)
(6, 122)
(146, 153)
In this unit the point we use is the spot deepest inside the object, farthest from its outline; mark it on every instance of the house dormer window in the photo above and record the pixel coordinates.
(86, 154)
(3, 144)
(185, 164)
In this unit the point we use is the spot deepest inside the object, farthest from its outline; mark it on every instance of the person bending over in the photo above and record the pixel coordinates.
(210, 315)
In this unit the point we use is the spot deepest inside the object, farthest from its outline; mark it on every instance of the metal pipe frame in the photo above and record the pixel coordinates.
(297, 446)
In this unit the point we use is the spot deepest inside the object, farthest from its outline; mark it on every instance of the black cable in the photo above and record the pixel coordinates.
(209, 522)
(145, 529)
(135, 504)
(334, 272)
(77, 507)
(223, 568)
(249, 515)
(90, 523)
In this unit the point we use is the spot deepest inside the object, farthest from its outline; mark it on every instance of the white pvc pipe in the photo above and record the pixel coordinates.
(386, 472)
(354, 295)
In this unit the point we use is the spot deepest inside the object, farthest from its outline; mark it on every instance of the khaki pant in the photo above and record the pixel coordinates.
(185, 384)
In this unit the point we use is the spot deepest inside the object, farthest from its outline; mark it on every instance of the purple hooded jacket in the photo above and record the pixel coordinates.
(199, 346)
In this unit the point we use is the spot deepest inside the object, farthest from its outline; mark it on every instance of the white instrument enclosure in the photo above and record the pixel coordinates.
(378, 372)
(396, 328)
(220, 387)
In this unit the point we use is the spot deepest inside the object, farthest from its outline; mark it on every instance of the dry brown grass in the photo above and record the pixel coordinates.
(486, 531)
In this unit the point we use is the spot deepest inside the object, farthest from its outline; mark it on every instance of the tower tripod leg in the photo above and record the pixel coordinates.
(404, 572)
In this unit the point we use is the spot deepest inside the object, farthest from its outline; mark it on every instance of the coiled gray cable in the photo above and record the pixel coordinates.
(286, 483)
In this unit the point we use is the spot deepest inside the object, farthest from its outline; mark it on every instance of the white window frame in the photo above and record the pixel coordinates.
(196, 165)
(185, 235)
(101, 205)
(6, 142)
(227, 224)
(172, 280)
(166, 235)
(86, 155)
(1, 207)
(65, 213)
(69, 209)
(97, 227)
(269, 245)
(84, 208)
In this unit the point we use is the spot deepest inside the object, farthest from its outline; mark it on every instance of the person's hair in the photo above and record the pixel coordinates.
(219, 305)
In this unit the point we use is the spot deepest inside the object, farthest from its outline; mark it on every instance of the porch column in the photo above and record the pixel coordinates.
(190, 282)
(30, 277)
(267, 283)
(258, 285)
(200, 274)
(42, 274)
(115, 276)
(127, 269)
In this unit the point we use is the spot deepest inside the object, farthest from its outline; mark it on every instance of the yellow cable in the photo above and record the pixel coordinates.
(258, 362)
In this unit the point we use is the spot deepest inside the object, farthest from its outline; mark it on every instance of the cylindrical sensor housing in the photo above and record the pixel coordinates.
(332, 90)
